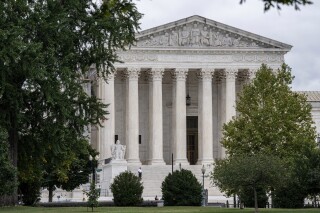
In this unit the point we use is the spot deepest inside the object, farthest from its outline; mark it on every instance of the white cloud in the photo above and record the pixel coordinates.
(301, 29)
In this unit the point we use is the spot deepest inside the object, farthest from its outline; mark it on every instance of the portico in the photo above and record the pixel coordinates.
(195, 57)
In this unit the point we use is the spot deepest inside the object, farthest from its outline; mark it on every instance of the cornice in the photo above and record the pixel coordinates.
(187, 50)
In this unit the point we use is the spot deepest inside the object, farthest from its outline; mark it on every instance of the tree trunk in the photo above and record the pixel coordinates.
(256, 209)
(50, 189)
(13, 155)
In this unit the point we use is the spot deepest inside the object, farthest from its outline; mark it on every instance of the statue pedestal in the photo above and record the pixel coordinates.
(109, 172)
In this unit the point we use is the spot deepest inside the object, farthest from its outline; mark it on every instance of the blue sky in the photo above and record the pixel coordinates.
(301, 29)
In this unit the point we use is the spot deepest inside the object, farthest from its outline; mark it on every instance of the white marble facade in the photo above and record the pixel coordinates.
(195, 57)
(149, 114)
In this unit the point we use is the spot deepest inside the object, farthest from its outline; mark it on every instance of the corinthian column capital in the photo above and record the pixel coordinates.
(231, 73)
(156, 74)
(132, 73)
(180, 74)
(206, 74)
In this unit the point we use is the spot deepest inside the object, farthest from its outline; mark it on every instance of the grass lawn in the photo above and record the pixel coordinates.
(23, 209)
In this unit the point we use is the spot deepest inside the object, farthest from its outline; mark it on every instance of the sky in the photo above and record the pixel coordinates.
(301, 29)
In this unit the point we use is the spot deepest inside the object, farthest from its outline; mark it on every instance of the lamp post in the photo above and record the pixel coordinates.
(203, 170)
(93, 167)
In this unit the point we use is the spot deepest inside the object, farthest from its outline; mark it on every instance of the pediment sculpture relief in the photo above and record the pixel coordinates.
(196, 35)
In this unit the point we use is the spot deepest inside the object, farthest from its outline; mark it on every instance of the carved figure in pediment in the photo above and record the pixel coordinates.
(174, 38)
(164, 39)
(195, 36)
(205, 37)
(254, 44)
(154, 41)
(217, 41)
(227, 41)
(236, 42)
(184, 37)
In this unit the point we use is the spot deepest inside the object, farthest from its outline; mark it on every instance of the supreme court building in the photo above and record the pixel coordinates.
(170, 98)
(177, 87)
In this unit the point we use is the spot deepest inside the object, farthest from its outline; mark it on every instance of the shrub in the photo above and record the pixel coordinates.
(181, 189)
(290, 196)
(127, 189)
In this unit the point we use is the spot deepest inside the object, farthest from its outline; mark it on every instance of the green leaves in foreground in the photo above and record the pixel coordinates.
(127, 189)
(239, 173)
(181, 189)
(272, 119)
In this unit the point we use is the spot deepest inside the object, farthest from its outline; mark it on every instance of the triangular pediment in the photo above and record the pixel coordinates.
(199, 32)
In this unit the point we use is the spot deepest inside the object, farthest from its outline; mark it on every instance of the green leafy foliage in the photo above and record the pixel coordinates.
(30, 192)
(181, 188)
(268, 4)
(93, 196)
(248, 200)
(304, 181)
(8, 173)
(290, 195)
(127, 189)
(272, 119)
(46, 51)
(242, 173)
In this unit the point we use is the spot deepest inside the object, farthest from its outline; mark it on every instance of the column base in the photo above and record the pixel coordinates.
(134, 162)
(159, 162)
(183, 162)
(205, 161)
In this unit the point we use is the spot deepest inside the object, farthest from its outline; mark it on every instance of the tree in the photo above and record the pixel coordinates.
(46, 49)
(181, 188)
(268, 4)
(127, 189)
(241, 173)
(93, 196)
(76, 174)
(272, 119)
(313, 175)
(8, 173)
(304, 181)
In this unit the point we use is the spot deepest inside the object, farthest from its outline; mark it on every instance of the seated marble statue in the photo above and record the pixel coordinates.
(118, 151)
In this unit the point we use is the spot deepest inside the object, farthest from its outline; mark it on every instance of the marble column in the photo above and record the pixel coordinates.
(205, 117)
(155, 117)
(132, 116)
(180, 117)
(230, 104)
(109, 122)
(221, 82)
(230, 93)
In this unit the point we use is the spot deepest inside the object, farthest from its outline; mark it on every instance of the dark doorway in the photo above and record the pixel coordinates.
(192, 139)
